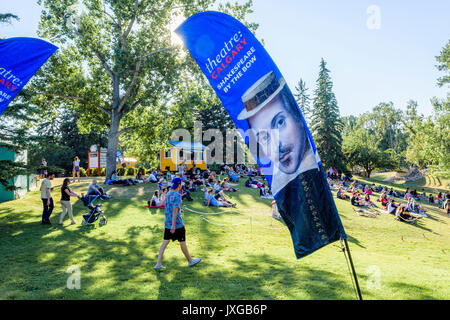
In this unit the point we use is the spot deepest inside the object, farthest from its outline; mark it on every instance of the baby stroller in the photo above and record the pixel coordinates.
(94, 213)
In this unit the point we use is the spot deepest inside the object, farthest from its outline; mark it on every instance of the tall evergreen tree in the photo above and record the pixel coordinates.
(303, 99)
(326, 124)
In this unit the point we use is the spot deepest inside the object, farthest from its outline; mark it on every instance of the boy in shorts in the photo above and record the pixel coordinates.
(174, 225)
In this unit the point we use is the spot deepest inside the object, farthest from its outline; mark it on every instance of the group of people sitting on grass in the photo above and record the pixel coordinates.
(212, 184)
(359, 195)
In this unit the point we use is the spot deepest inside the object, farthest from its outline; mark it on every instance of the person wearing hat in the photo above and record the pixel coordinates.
(174, 225)
(298, 182)
(277, 126)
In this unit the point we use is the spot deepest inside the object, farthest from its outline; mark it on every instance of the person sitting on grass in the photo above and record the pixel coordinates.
(356, 200)
(340, 194)
(164, 193)
(233, 176)
(174, 226)
(431, 198)
(408, 194)
(402, 214)
(227, 187)
(140, 177)
(217, 187)
(115, 180)
(95, 190)
(155, 201)
(383, 199)
(152, 177)
(219, 194)
(264, 192)
(446, 203)
(439, 198)
(392, 206)
(367, 190)
(413, 207)
(367, 202)
(211, 200)
(251, 183)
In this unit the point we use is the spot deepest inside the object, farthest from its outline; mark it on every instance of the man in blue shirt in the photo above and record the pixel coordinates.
(95, 190)
(174, 225)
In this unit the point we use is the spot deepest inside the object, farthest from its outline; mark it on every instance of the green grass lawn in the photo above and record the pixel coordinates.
(246, 253)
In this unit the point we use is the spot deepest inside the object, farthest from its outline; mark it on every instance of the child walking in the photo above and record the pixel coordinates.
(174, 225)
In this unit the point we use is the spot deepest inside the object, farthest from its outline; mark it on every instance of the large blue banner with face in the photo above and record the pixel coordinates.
(20, 59)
(256, 96)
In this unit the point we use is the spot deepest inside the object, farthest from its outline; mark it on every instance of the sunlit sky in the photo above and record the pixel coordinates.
(377, 51)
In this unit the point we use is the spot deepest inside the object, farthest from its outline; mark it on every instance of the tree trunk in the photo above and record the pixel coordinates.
(113, 142)
(113, 134)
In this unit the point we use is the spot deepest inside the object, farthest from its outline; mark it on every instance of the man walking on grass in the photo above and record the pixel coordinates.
(174, 225)
(46, 196)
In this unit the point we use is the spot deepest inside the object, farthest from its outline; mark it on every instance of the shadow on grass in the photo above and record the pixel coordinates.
(34, 259)
(355, 241)
(250, 279)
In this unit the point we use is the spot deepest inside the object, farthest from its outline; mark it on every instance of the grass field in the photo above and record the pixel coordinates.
(246, 253)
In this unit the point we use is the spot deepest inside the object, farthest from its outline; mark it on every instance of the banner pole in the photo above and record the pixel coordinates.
(353, 269)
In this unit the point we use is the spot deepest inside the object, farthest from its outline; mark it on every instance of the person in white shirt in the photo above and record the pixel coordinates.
(47, 200)
(155, 202)
(152, 178)
(181, 168)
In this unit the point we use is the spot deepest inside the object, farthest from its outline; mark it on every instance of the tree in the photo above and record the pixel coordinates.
(303, 99)
(361, 150)
(326, 125)
(60, 140)
(429, 140)
(7, 17)
(14, 126)
(384, 121)
(116, 58)
(444, 65)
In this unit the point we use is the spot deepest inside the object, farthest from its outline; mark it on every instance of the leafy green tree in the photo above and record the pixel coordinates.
(384, 121)
(59, 140)
(115, 58)
(429, 140)
(326, 125)
(361, 150)
(350, 123)
(16, 125)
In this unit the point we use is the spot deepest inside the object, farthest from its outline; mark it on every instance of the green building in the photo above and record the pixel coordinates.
(22, 183)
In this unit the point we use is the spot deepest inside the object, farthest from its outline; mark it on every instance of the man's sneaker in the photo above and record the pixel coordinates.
(194, 262)
(161, 267)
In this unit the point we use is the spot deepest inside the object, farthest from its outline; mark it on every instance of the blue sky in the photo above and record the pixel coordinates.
(395, 62)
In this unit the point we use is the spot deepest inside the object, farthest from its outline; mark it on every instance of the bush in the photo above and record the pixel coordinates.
(120, 171)
(131, 171)
(59, 172)
(215, 167)
(93, 172)
(83, 172)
